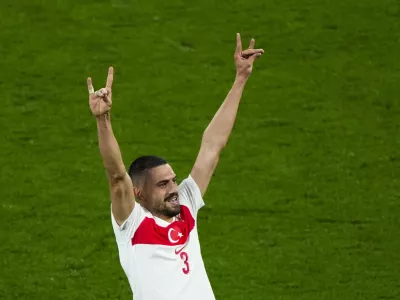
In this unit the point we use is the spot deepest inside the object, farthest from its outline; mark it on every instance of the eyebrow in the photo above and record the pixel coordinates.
(165, 180)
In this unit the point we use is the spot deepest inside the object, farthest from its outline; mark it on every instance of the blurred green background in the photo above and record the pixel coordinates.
(305, 203)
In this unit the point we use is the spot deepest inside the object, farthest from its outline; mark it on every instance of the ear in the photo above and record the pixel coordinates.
(138, 193)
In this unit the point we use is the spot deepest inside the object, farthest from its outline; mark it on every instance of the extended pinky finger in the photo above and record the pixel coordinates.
(90, 86)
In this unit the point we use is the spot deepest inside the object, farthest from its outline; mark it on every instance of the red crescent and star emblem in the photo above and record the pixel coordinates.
(174, 234)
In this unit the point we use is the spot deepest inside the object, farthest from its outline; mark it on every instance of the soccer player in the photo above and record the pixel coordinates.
(155, 219)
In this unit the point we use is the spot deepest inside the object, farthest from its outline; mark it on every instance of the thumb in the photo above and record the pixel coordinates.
(254, 57)
(107, 100)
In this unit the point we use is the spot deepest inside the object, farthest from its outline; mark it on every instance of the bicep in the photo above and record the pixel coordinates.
(122, 197)
(204, 167)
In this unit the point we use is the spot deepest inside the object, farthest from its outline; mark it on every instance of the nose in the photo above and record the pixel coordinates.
(172, 189)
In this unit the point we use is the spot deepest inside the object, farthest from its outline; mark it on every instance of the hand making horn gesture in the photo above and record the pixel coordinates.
(244, 59)
(100, 102)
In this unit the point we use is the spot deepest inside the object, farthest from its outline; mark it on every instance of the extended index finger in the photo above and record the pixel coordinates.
(110, 77)
(238, 43)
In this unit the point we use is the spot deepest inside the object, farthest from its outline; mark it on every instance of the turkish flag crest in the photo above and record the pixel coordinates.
(174, 234)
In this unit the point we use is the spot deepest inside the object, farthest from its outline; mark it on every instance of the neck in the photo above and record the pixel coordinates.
(165, 218)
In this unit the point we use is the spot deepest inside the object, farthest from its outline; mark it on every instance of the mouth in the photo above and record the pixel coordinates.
(173, 200)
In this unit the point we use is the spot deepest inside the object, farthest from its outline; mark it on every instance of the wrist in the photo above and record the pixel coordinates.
(103, 117)
(241, 79)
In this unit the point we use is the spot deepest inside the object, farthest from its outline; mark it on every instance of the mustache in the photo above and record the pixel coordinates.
(170, 196)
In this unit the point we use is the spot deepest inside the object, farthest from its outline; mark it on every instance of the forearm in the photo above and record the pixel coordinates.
(109, 148)
(217, 133)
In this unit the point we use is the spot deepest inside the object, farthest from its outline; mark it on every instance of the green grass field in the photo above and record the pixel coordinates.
(305, 203)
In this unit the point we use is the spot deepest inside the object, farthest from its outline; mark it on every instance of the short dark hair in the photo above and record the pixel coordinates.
(141, 164)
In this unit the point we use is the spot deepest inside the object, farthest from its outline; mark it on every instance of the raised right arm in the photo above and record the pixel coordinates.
(121, 187)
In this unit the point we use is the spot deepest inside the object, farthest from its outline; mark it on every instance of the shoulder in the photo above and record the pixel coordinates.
(127, 229)
(190, 195)
(190, 185)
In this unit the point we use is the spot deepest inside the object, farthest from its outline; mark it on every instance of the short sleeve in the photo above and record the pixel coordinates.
(126, 230)
(190, 195)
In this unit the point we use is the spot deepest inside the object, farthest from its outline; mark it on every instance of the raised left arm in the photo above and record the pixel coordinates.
(217, 133)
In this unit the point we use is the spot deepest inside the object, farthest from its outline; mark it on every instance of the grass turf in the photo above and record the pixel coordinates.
(305, 201)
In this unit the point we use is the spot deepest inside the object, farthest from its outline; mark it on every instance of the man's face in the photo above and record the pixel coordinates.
(160, 192)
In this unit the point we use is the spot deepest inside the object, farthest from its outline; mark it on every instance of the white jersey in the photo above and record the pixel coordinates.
(163, 260)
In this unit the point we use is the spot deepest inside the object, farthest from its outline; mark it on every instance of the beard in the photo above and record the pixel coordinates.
(170, 209)
(171, 212)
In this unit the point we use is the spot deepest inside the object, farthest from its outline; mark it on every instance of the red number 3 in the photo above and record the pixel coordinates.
(185, 258)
